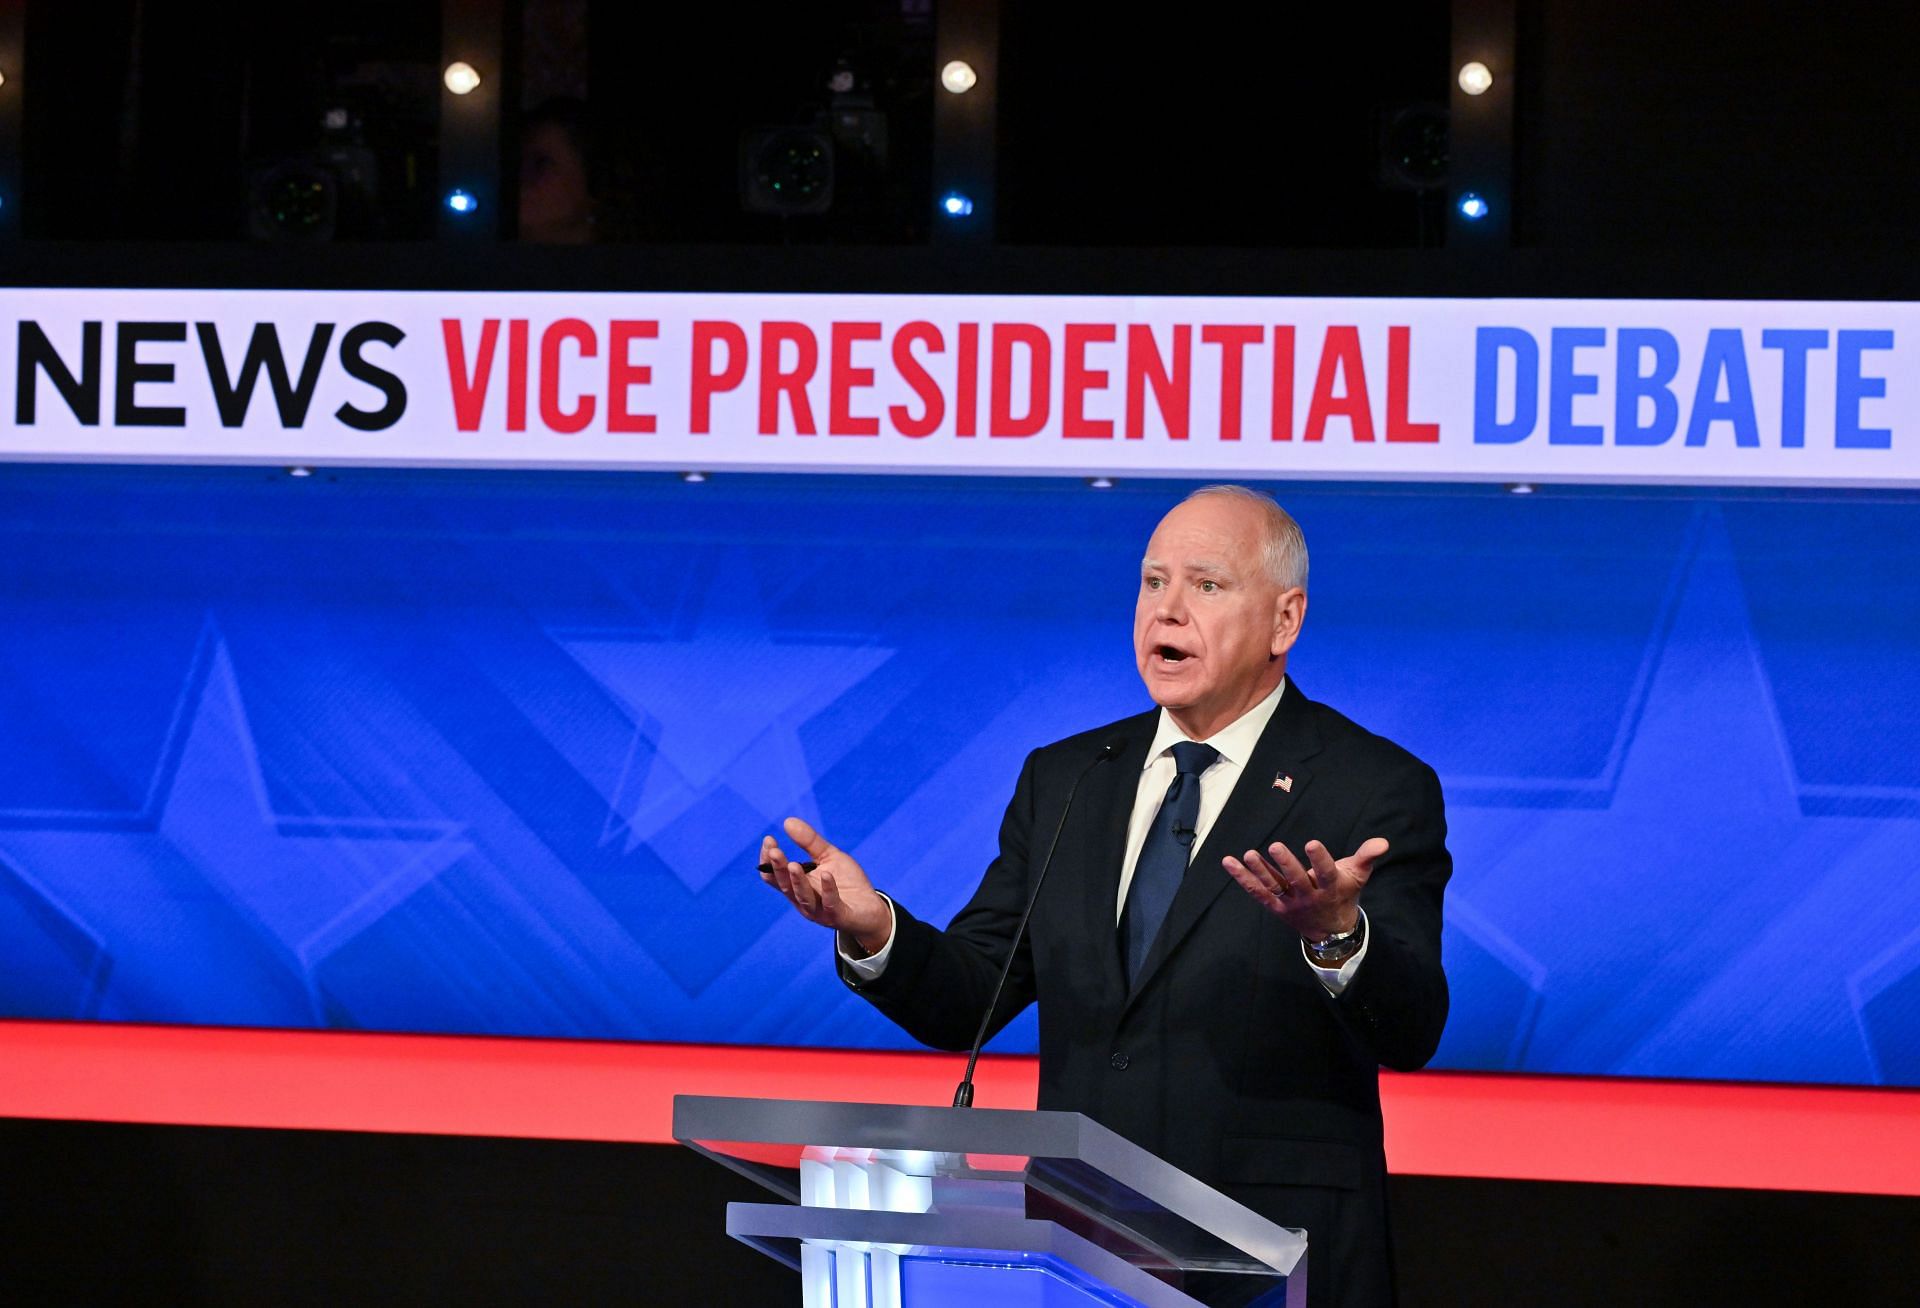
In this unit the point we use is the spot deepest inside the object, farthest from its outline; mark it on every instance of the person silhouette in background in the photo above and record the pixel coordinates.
(570, 192)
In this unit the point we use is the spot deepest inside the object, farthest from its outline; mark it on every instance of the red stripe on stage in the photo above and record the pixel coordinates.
(1438, 1123)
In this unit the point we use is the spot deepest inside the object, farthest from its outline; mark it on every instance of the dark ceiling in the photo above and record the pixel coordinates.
(1638, 124)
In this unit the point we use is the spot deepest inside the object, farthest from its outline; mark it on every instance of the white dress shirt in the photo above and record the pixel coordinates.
(1235, 743)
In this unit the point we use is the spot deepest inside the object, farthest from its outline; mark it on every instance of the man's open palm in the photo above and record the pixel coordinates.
(835, 894)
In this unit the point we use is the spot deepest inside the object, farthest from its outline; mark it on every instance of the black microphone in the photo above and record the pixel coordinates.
(963, 1093)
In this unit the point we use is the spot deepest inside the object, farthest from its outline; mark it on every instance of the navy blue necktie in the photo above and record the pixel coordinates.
(1163, 859)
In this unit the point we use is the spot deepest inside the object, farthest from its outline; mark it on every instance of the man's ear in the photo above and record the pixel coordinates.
(1289, 613)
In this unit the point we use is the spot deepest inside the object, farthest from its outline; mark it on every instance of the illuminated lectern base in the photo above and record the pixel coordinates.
(977, 1208)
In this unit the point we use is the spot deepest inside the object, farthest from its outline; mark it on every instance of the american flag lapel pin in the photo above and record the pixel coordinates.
(1281, 781)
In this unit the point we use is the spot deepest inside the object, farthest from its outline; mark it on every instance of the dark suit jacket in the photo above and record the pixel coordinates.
(1227, 1056)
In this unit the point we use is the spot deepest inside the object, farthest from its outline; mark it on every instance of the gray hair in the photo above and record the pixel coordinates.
(1283, 544)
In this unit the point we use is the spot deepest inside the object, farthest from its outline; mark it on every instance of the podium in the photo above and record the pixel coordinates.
(897, 1206)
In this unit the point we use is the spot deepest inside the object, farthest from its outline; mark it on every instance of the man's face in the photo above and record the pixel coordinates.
(1211, 629)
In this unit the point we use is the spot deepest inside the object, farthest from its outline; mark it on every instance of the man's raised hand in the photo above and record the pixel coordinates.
(1318, 898)
(836, 893)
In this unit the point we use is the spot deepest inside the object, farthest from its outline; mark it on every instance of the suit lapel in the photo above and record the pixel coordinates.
(1109, 792)
(1254, 811)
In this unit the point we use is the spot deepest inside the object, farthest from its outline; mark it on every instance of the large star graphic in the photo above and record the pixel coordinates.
(215, 913)
(1685, 923)
(720, 708)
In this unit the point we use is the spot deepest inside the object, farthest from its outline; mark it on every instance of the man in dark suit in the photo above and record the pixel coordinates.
(1236, 1032)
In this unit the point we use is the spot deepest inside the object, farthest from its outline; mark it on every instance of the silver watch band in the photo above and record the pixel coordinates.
(1340, 946)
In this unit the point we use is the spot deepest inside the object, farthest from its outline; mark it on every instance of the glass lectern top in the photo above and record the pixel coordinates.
(1064, 1167)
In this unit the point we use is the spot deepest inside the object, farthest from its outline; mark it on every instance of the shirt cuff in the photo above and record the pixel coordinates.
(870, 967)
(1335, 979)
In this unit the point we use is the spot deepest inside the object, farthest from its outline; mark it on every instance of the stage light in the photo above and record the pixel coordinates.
(958, 76)
(1475, 78)
(1472, 206)
(298, 471)
(3, 78)
(786, 170)
(955, 205)
(461, 77)
(1520, 488)
(1100, 483)
(297, 200)
(693, 478)
(1413, 148)
(461, 201)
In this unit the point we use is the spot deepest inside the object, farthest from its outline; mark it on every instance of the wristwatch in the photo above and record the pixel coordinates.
(1338, 947)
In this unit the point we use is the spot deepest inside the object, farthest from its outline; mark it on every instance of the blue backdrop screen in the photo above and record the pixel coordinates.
(492, 753)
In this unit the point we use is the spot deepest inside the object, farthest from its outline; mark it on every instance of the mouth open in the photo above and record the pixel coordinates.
(1167, 654)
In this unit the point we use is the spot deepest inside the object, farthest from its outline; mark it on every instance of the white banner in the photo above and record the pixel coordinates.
(1734, 392)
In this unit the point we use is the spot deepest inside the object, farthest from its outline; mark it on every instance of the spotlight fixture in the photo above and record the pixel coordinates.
(298, 200)
(299, 471)
(1520, 488)
(1414, 151)
(461, 201)
(1100, 483)
(461, 77)
(955, 205)
(3, 78)
(693, 478)
(1472, 206)
(1475, 78)
(786, 170)
(958, 76)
